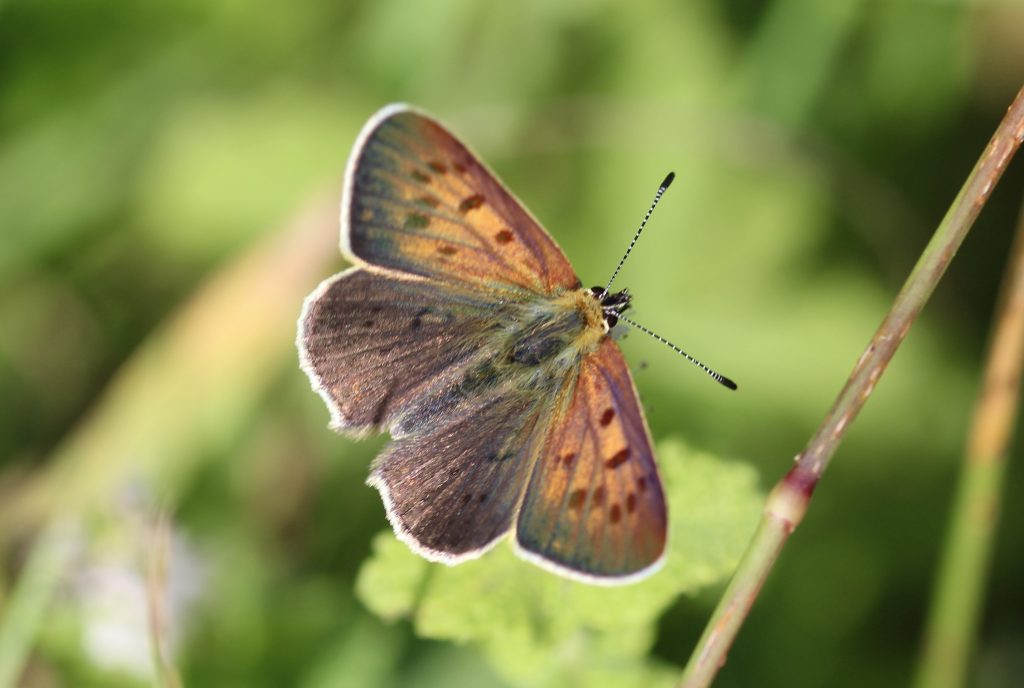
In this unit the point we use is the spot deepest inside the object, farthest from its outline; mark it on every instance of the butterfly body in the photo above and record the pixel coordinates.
(464, 332)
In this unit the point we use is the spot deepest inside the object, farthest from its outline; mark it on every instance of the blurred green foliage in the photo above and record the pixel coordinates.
(169, 173)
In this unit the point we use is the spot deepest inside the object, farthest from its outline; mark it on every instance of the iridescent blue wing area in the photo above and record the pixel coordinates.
(378, 348)
(418, 202)
(594, 507)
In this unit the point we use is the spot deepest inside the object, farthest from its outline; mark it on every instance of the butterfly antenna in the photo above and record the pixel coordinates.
(657, 197)
(721, 379)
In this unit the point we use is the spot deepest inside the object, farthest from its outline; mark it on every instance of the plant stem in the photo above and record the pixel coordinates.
(950, 631)
(788, 502)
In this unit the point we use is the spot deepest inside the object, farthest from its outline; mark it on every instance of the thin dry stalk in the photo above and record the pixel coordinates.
(953, 621)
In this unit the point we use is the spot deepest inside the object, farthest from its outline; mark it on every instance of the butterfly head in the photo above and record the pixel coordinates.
(612, 304)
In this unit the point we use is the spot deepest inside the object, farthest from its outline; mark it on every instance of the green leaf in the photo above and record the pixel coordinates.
(542, 629)
(389, 581)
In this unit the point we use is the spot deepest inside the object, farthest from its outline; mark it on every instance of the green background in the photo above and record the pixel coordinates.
(169, 174)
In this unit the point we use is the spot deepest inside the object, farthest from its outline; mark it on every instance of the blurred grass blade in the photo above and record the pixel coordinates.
(194, 380)
(23, 613)
(157, 563)
(953, 621)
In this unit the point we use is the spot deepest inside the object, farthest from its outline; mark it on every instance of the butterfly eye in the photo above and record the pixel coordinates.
(611, 319)
(598, 292)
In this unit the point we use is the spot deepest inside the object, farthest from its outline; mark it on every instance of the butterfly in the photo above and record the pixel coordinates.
(463, 331)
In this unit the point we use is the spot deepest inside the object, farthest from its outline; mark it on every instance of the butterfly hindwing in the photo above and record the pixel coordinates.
(376, 347)
(594, 506)
(418, 202)
(452, 491)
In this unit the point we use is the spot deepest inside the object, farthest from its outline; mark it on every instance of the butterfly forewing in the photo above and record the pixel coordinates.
(418, 202)
(594, 505)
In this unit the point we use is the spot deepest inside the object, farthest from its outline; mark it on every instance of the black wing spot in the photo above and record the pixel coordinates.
(615, 514)
(619, 458)
(471, 203)
(417, 320)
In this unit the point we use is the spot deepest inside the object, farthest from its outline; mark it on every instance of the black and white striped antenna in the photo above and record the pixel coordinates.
(718, 377)
(657, 197)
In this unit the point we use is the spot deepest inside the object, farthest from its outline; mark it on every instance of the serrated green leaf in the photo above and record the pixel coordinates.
(542, 629)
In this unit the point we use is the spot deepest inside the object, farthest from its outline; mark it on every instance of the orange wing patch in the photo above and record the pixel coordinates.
(419, 202)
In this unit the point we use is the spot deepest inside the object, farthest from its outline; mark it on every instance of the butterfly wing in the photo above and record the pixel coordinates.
(594, 507)
(418, 202)
(451, 492)
(376, 347)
